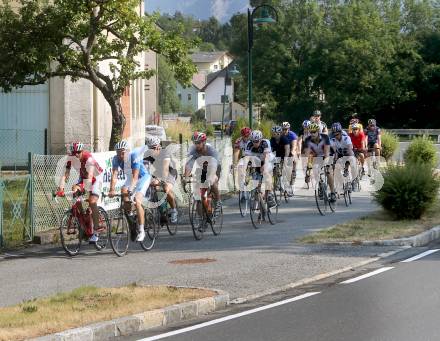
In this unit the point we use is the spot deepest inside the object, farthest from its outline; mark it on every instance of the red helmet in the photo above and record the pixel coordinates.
(198, 137)
(245, 131)
(75, 147)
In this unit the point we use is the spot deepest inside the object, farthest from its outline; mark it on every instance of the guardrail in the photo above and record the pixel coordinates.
(417, 132)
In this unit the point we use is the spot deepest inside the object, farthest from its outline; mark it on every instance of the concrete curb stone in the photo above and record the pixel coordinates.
(143, 321)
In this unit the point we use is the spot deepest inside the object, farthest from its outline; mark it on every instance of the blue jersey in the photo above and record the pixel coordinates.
(291, 136)
(136, 158)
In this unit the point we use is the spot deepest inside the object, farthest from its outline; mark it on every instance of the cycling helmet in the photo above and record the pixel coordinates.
(313, 127)
(75, 147)
(286, 125)
(316, 113)
(306, 124)
(355, 126)
(121, 145)
(372, 121)
(245, 132)
(152, 141)
(256, 136)
(277, 129)
(198, 137)
(336, 127)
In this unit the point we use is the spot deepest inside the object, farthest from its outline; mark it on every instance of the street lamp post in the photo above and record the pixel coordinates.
(264, 19)
(229, 74)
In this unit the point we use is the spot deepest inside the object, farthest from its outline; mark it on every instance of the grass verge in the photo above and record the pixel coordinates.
(376, 226)
(87, 305)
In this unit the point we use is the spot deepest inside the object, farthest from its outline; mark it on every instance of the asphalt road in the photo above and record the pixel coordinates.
(246, 261)
(390, 301)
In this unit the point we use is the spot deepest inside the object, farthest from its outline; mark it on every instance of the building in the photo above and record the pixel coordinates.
(208, 62)
(193, 96)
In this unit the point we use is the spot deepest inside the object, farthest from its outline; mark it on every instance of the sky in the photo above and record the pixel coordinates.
(200, 9)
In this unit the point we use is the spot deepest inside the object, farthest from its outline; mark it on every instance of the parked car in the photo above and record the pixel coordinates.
(154, 130)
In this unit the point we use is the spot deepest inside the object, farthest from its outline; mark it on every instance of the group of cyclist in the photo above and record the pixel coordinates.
(150, 165)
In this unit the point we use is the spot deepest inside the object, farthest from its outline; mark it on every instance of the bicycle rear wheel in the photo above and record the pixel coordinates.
(151, 227)
(102, 230)
(71, 234)
(197, 218)
(256, 211)
(321, 198)
(119, 234)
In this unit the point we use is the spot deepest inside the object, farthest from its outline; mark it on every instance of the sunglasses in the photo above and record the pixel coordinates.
(314, 132)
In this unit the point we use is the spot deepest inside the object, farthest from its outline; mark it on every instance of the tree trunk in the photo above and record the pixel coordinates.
(118, 121)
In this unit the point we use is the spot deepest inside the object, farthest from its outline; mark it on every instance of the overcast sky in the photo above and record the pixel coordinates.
(201, 9)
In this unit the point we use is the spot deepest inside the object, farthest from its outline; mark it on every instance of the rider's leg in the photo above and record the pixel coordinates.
(377, 150)
(168, 188)
(126, 199)
(93, 204)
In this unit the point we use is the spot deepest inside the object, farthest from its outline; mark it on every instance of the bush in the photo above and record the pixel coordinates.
(174, 128)
(266, 128)
(209, 130)
(241, 123)
(408, 191)
(421, 150)
(390, 142)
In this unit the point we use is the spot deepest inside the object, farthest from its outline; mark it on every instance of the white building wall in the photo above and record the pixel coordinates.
(216, 89)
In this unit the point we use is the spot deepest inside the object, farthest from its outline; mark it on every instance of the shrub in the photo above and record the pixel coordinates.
(408, 191)
(241, 123)
(209, 130)
(421, 150)
(390, 142)
(174, 128)
(266, 128)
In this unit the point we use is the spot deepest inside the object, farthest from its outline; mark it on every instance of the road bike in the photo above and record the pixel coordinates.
(260, 211)
(77, 224)
(124, 226)
(322, 192)
(159, 199)
(278, 182)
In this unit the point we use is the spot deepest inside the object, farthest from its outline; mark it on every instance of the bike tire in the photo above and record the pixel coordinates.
(255, 210)
(243, 205)
(71, 244)
(272, 213)
(101, 231)
(217, 223)
(151, 227)
(321, 204)
(197, 219)
(119, 234)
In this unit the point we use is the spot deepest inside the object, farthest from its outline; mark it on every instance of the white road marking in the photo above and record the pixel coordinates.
(378, 271)
(230, 317)
(423, 254)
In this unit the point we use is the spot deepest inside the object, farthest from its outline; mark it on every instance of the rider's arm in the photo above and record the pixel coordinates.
(63, 179)
(135, 174)
(379, 140)
(114, 179)
(236, 155)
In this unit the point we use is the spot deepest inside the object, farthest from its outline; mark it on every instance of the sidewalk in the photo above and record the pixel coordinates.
(244, 262)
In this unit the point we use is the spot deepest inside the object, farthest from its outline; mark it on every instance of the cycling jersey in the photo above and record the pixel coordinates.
(357, 140)
(209, 150)
(136, 162)
(278, 147)
(259, 151)
(332, 134)
(372, 135)
(317, 148)
(322, 126)
(86, 163)
(157, 161)
(241, 144)
(291, 136)
(341, 146)
(352, 121)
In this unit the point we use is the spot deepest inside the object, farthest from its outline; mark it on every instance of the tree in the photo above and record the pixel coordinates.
(168, 100)
(70, 38)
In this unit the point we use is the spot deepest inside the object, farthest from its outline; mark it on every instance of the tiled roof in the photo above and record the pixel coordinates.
(207, 57)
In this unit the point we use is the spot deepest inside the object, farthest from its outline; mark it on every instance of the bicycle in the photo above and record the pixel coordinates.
(77, 224)
(202, 212)
(259, 208)
(124, 227)
(322, 192)
(278, 181)
(158, 195)
(244, 195)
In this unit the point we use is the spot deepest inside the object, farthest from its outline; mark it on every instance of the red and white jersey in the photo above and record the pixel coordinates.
(241, 144)
(85, 165)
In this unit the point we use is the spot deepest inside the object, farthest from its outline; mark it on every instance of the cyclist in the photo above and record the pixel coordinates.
(341, 145)
(373, 137)
(137, 180)
(354, 119)
(316, 118)
(202, 149)
(303, 134)
(90, 179)
(241, 143)
(165, 169)
(318, 145)
(293, 139)
(359, 143)
(260, 148)
(279, 143)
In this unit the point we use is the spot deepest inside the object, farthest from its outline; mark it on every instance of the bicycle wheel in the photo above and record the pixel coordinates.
(119, 234)
(71, 234)
(151, 227)
(331, 204)
(256, 212)
(345, 188)
(243, 202)
(272, 213)
(197, 218)
(171, 227)
(321, 198)
(102, 230)
(217, 222)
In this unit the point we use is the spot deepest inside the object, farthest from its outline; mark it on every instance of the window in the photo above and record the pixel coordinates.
(203, 96)
(189, 97)
(215, 67)
(180, 97)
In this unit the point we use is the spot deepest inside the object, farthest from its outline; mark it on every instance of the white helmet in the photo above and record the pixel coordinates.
(286, 125)
(256, 135)
(276, 129)
(152, 141)
(121, 145)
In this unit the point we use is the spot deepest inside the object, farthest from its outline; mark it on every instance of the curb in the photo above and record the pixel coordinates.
(128, 325)
(315, 278)
(418, 240)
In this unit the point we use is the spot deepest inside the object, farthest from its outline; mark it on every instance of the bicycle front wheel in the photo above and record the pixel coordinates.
(321, 198)
(151, 227)
(70, 234)
(217, 222)
(171, 227)
(119, 234)
(102, 229)
(197, 218)
(272, 212)
(243, 202)
(256, 209)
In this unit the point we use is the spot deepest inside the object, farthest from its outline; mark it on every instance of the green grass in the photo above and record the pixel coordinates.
(376, 226)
